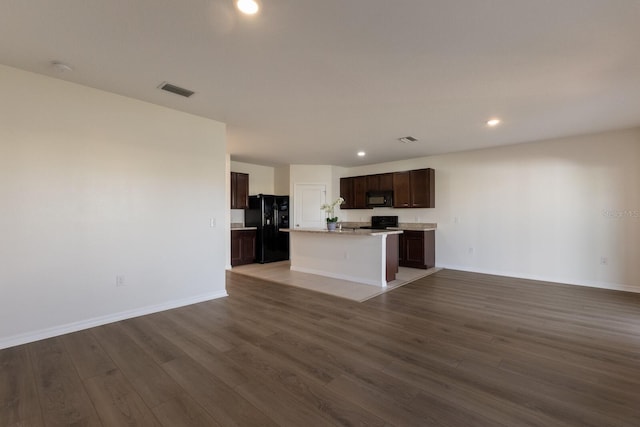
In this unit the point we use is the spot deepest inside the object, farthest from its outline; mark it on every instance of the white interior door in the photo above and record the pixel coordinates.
(307, 199)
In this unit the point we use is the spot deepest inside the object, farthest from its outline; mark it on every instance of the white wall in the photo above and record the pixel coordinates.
(281, 180)
(312, 174)
(547, 210)
(95, 185)
(260, 177)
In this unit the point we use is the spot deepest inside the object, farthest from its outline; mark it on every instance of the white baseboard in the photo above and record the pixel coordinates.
(103, 320)
(563, 281)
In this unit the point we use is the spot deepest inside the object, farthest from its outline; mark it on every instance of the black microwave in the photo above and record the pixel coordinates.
(379, 199)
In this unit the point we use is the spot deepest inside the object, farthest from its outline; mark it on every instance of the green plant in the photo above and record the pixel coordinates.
(329, 207)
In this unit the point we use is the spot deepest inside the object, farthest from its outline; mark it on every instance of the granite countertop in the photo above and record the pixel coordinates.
(240, 227)
(409, 226)
(354, 228)
(343, 232)
(417, 226)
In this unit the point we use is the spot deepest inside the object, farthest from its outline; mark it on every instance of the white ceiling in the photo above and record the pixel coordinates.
(312, 82)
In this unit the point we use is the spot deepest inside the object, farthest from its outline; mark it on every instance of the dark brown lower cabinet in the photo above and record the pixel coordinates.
(417, 249)
(243, 247)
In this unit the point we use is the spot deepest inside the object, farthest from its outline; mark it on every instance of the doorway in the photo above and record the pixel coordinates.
(307, 199)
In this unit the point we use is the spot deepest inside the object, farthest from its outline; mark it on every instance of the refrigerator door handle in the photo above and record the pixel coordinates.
(276, 218)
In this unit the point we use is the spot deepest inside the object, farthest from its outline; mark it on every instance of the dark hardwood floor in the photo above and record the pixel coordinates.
(452, 349)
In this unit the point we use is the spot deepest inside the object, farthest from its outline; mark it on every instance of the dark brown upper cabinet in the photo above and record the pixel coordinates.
(360, 192)
(354, 192)
(380, 182)
(411, 189)
(414, 189)
(239, 190)
(401, 189)
(346, 192)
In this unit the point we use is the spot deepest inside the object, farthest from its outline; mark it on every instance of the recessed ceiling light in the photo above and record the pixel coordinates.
(249, 7)
(361, 154)
(493, 122)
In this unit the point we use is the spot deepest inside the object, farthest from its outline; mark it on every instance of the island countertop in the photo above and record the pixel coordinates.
(343, 232)
(406, 226)
(412, 227)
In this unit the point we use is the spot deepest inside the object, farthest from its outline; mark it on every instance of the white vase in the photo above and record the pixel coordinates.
(331, 226)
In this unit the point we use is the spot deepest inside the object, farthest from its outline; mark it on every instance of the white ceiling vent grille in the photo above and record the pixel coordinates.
(176, 89)
(407, 139)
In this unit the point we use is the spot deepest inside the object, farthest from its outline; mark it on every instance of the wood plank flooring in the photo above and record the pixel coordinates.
(450, 349)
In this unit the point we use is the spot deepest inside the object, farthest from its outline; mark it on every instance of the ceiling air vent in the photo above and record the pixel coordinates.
(176, 89)
(407, 139)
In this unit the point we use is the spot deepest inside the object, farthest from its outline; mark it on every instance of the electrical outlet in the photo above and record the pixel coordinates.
(604, 260)
(471, 251)
(119, 280)
(456, 219)
(212, 223)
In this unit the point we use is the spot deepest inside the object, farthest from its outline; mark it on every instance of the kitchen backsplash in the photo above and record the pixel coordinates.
(404, 215)
(237, 216)
(401, 225)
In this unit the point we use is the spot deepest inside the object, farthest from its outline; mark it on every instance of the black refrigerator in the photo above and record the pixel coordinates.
(269, 214)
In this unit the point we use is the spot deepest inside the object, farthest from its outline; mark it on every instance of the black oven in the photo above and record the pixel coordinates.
(383, 222)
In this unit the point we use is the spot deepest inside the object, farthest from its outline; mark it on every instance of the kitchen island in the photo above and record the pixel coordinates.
(363, 256)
